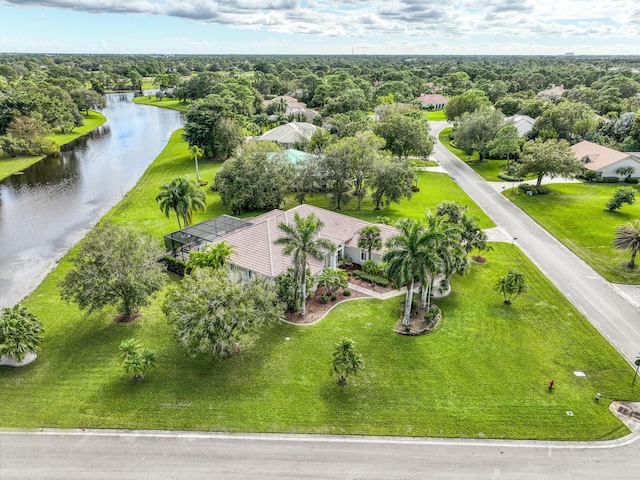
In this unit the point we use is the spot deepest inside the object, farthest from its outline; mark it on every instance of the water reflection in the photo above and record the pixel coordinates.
(48, 208)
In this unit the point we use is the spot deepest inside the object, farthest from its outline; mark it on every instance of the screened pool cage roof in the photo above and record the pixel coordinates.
(192, 237)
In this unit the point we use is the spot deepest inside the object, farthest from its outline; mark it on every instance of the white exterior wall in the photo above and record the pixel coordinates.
(610, 170)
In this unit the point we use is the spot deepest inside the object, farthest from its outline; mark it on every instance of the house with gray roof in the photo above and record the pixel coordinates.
(524, 123)
(290, 134)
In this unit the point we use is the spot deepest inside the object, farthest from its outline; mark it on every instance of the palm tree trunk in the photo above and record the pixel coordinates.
(423, 296)
(303, 291)
(429, 288)
(407, 305)
(197, 171)
(632, 262)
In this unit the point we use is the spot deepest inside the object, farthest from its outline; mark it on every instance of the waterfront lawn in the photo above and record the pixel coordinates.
(575, 214)
(482, 373)
(171, 103)
(487, 169)
(9, 166)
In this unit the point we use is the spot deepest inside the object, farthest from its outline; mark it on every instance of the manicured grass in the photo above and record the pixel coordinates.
(482, 373)
(171, 103)
(575, 214)
(487, 169)
(9, 166)
(437, 115)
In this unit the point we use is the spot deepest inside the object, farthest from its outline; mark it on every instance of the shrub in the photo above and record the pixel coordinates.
(374, 279)
(175, 265)
(509, 178)
(372, 268)
(610, 179)
(324, 299)
(431, 314)
(346, 292)
(621, 195)
(631, 180)
(334, 297)
(541, 190)
(590, 175)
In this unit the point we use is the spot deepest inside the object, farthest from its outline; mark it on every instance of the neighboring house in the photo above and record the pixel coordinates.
(433, 101)
(256, 254)
(524, 123)
(556, 91)
(290, 133)
(293, 107)
(605, 161)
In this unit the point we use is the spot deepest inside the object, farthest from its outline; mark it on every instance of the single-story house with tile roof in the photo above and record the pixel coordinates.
(524, 123)
(255, 253)
(605, 161)
(293, 107)
(433, 101)
(290, 133)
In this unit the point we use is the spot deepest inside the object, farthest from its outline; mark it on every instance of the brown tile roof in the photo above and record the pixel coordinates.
(254, 248)
(596, 156)
(432, 98)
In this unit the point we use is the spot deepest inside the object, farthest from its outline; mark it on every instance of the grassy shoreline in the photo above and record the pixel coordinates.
(9, 166)
(481, 374)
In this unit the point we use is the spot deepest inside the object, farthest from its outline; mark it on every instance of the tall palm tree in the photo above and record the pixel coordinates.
(183, 197)
(196, 152)
(628, 238)
(406, 256)
(370, 239)
(20, 332)
(301, 241)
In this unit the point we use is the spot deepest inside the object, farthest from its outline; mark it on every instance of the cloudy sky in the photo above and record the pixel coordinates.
(427, 27)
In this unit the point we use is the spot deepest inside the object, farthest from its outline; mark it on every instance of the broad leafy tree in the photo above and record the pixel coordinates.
(391, 182)
(475, 130)
(20, 332)
(628, 238)
(505, 143)
(553, 158)
(300, 240)
(336, 172)
(212, 314)
(467, 102)
(115, 264)
(87, 99)
(345, 360)
(406, 136)
(621, 195)
(183, 197)
(511, 286)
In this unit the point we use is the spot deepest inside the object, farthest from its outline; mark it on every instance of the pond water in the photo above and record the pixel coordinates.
(54, 203)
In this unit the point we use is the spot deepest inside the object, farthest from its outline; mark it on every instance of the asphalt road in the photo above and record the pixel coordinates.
(616, 319)
(127, 455)
(168, 455)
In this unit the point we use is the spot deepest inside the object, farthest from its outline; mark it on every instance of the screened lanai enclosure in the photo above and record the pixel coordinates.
(194, 237)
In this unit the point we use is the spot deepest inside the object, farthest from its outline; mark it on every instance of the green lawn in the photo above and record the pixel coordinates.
(171, 103)
(487, 169)
(9, 166)
(575, 214)
(482, 373)
(437, 115)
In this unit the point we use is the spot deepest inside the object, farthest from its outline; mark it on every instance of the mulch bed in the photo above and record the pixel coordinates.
(417, 324)
(316, 309)
(127, 318)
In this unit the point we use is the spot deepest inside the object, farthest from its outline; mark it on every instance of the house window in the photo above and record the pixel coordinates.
(363, 255)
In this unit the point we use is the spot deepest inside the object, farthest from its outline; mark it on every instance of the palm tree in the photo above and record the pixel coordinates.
(407, 255)
(511, 286)
(345, 360)
(20, 332)
(370, 239)
(183, 197)
(301, 241)
(196, 152)
(135, 359)
(628, 238)
(214, 256)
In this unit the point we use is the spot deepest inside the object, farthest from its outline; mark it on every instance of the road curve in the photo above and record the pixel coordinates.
(168, 455)
(614, 317)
